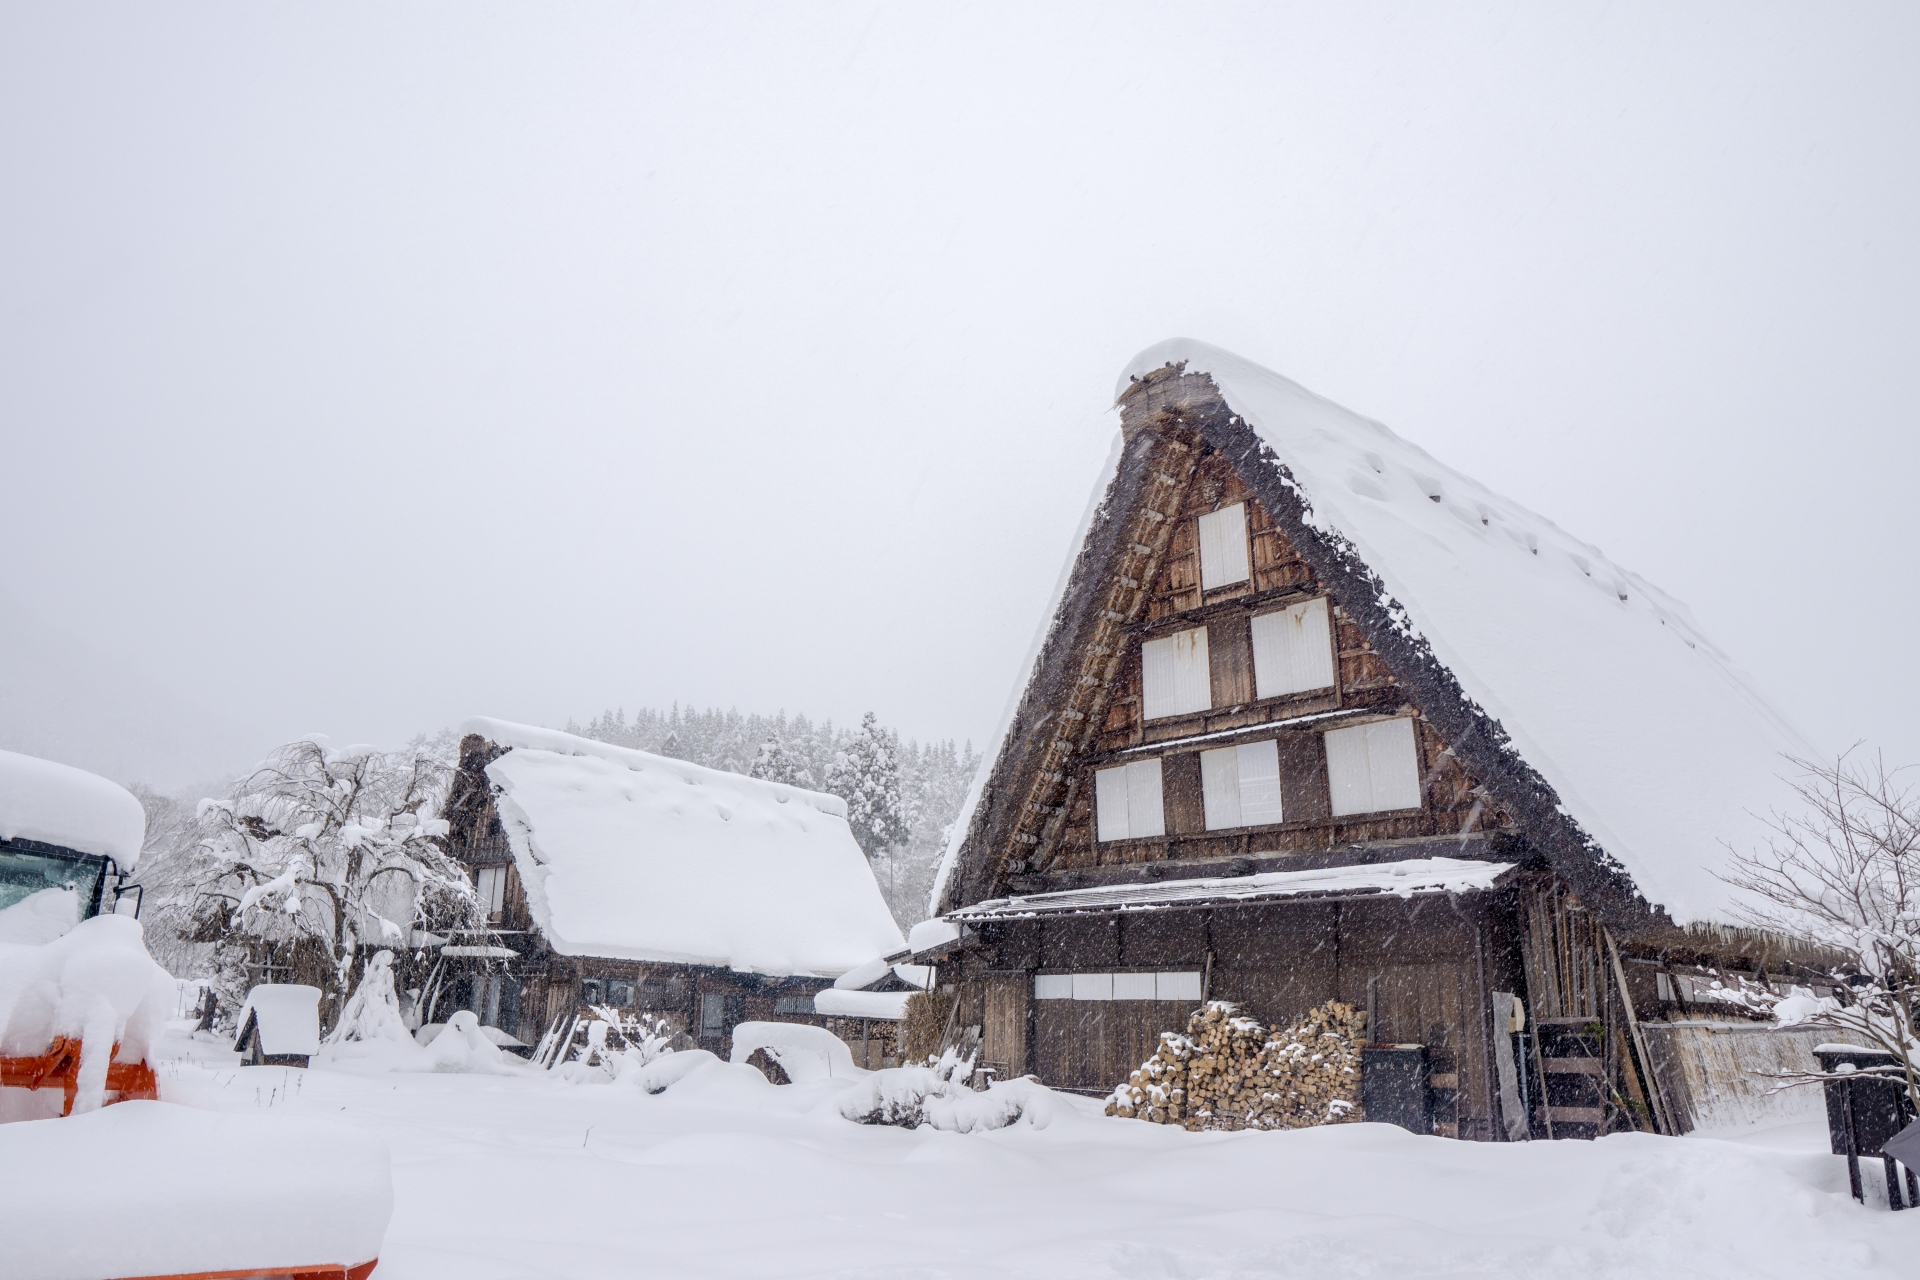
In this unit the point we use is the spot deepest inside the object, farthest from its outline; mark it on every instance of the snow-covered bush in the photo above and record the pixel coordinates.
(1845, 872)
(320, 853)
(609, 1045)
(373, 1011)
(936, 1093)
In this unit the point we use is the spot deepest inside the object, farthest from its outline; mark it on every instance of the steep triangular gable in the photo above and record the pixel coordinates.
(1174, 418)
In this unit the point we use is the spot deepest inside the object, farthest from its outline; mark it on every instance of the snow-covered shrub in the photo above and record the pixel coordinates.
(373, 1011)
(610, 1045)
(462, 1046)
(1845, 872)
(936, 1093)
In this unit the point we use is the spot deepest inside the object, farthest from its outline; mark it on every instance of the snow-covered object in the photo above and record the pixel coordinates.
(938, 1095)
(1659, 748)
(288, 1017)
(887, 1006)
(929, 934)
(865, 974)
(58, 804)
(638, 857)
(373, 1010)
(40, 917)
(1407, 879)
(805, 1053)
(132, 1191)
(97, 985)
(463, 1045)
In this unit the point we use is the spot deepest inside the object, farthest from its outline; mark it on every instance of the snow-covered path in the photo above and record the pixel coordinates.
(724, 1175)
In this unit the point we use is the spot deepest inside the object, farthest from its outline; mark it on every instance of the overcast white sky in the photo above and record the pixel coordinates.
(364, 367)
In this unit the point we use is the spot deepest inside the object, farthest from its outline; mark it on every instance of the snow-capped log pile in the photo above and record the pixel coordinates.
(1228, 1072)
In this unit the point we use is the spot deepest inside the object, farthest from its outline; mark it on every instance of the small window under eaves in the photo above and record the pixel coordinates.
(1127, 801)
(1175, 678)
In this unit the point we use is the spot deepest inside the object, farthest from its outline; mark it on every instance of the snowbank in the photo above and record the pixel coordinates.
(61, 805)
(288, 1016)
(97, 985)
(638, 857)
(148, 1188)
(805, 1053)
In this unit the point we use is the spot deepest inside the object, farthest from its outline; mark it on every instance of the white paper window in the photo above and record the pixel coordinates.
(1127, 801)
(1240, 786)
(1292, 650)
(491, 882)
(1093, 986)
(1174, 675)
(1223, 547)
(1373, 768)
(1177, 986)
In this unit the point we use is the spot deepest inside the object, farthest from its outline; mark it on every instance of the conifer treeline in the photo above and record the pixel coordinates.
(902, 797)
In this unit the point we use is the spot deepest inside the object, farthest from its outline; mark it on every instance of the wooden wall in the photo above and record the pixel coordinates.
(1416, 967)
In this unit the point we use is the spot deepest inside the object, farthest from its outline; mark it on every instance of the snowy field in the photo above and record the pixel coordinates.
(724, 1175)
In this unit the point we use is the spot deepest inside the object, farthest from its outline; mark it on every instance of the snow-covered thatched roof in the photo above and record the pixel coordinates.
(59, 805)
(1655, 750)
(639, 857)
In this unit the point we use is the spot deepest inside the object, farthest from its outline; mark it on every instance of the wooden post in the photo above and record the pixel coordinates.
(1662, 1114)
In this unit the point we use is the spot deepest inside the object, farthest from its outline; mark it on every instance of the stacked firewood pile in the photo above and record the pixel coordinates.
(1229, 1072)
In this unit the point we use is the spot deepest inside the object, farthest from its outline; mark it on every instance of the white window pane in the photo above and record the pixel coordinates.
(1373, 768)
(1146, 816)
(1177, 986)
(1133, 986)
(1093, 986)
(1110, 802)
(1259, 764)
(1053, 986)
(1293, 650)
(1349, 783)
(1223, 547)
(1394, 765)
(1174, 675)
(1220, 788)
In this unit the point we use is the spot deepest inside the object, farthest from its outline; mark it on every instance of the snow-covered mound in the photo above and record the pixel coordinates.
(97, 985)
(639, 857)
(58, 804)
(149, 1189)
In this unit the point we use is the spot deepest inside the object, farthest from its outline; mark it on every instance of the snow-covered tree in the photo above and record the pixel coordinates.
(330, 853)
(866, 774)
(1845, 872)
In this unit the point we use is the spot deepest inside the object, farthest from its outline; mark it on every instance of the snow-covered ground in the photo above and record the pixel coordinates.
(725, 1175)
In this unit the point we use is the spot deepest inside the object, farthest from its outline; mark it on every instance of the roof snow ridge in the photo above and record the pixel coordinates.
(506, 733)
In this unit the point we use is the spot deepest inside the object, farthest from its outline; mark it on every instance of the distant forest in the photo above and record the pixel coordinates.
(902, 797)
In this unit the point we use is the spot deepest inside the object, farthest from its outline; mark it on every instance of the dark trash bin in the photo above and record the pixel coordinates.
(1394, 1086)
(1863, 1113)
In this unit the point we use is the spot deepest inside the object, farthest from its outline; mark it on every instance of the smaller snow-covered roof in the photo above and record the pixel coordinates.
(60, 805)
(1412, 878)
(885, 1006)
(638, 857)
(288, 1016)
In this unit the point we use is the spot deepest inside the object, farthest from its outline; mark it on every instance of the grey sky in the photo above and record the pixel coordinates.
(363, 367)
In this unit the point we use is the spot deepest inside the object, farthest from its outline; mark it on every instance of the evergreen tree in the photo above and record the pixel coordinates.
(866, 774)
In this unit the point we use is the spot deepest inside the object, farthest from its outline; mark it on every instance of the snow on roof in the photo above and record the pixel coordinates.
(638, 857)
(58, 804)
(887, 1006)
(288, 1016)
(1407, 879)
(1656, 743)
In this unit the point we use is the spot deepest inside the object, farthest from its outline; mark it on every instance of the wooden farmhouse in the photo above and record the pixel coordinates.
(1317, 718)
(617, 878)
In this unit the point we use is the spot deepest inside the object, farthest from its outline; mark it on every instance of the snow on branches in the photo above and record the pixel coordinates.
(338, 850)
(1844, 871)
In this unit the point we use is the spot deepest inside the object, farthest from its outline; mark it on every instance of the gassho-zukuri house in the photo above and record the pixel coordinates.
(616, 878)
(1317, 717)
